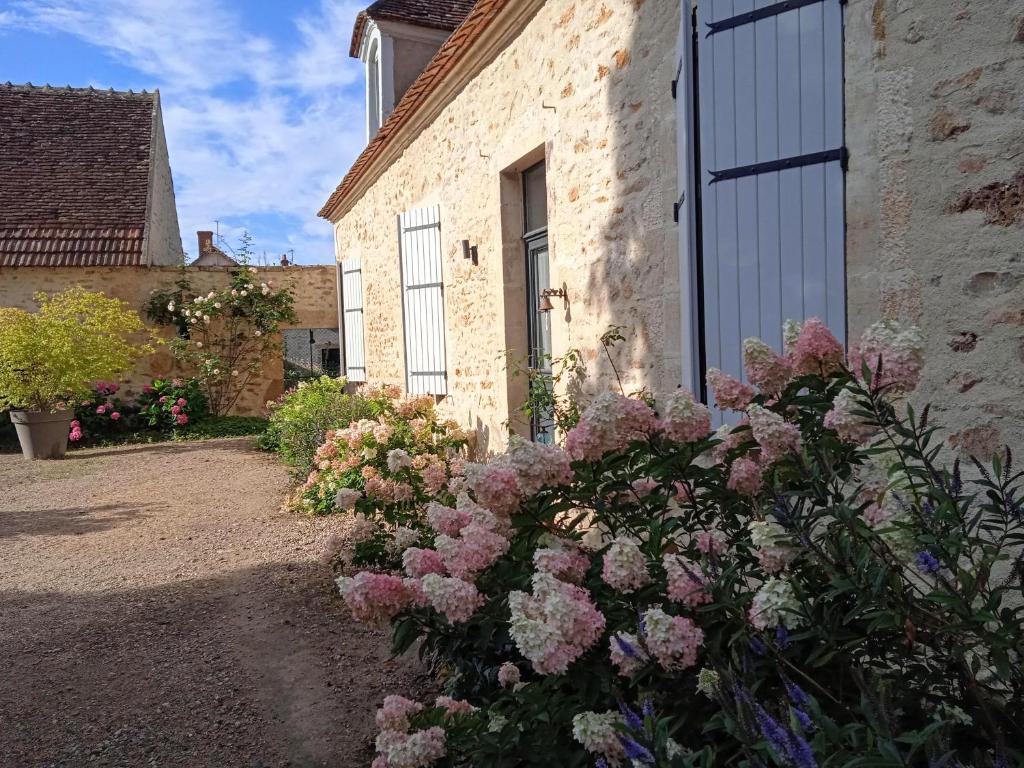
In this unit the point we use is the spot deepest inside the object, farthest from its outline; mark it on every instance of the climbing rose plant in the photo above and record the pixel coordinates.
(807, 586)
(229, 333)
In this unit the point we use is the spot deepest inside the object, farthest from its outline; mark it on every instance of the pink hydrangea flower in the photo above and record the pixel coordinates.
(508, 675)
(494, 485)
(844, 420)
(774, 546)
(446, 520)
(745, 476)
(766, 369)
(175, 409)
(101, 409)
(476, 548)
(774, 435)
(181, 418)
(672, 640)
(729, 392)
(685, 420)
(610, 423)
(625, 566)
(416, 750)
(458, 600)
(686, 583)
(346, 498)
(599, 733)
(115, 415)
(434, 476)
(816, 350)
(419, 562)
(374, 598)
(712, 542)
(163, 399)
(901, 350)
(453, 707)
(148, 389)
(394, 714)
(537, 465)
(182, 402)
(555, 625)
(564, 560)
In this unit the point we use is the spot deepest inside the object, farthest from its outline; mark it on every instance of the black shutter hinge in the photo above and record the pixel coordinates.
(677, 206)
(675, 89)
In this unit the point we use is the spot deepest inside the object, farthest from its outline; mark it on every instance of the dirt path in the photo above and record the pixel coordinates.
(156, 609)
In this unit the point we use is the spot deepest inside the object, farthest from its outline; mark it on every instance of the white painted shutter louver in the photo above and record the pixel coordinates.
(423, 301)
(352, 309)
(771, 92)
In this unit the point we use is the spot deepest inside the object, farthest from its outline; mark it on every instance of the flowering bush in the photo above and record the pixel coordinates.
(229, 332)
(839, 599)
(386, 469)
(171, 404)
(103, 415)
(301, 418)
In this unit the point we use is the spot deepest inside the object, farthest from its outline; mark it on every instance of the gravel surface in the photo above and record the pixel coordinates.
(157, 609)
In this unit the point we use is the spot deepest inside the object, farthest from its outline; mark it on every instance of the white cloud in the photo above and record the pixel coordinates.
(276, 150)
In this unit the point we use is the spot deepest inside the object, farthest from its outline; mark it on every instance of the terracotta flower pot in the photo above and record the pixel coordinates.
(42, 435)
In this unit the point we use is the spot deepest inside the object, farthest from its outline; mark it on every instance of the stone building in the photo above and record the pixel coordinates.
(85, 179)
(560, 166)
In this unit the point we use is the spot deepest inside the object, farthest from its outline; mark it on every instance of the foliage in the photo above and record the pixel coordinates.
(806, 587)
(102, 416)
(171, 404)
(554, 395)
(301, 418)
(393, 462)
(212, 427)
(159, 307)
(230, 331)
(51, 357)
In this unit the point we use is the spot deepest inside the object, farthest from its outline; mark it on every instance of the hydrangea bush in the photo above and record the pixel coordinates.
(807, 586)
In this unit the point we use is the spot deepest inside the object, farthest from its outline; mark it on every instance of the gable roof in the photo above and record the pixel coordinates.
(454, 50)
(436, 14)
(74, 175)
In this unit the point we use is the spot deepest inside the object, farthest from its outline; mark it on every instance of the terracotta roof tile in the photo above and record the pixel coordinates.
(436, 14)
(74, 175)
(451, 52)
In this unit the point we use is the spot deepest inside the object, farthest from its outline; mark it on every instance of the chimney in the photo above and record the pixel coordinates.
(205, 242)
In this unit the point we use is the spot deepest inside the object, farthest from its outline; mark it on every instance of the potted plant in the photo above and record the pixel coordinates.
(50, 358)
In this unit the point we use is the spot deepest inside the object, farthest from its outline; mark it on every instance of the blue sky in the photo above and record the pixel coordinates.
(262, 106)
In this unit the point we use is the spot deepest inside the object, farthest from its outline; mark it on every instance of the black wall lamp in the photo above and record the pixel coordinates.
(470, 252)
(545, 305)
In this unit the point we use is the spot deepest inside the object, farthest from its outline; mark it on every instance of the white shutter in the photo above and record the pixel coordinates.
(352, 319)
(772, 157)
(423, 301)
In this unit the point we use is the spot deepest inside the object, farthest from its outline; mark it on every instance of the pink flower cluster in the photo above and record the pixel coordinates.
(745, 476)
(562, 559)
(409, 750)
(508, 675)
(843, 418)
(394, 714)
(494, 485)
(766, 369)
(672, 640)
(537, 465)
(476, 548)
(625, 566)
(901, 351)
(729, 392)
(555, 625)
(419, 562)
(627, 654)
(686, 583)
(610, 423)
(458, 600)
(685, 420)
(816, 350)
(712, 542)
(76, 431)
(775, 436)
(375, 598)
(446, 520)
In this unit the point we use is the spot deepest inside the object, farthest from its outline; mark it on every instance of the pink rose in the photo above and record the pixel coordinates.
(181, 418)
(182, 402)
(101, 410)
(175, 410)
(76, 424)
(115, 416)
(112, 387)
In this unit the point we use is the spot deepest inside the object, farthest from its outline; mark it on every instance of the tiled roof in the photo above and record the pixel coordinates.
(451, 53)
(74, 175)
(436, 14)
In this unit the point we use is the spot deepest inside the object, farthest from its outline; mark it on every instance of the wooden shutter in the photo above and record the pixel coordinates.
(423, 301)
(771, 164)
(352, 319)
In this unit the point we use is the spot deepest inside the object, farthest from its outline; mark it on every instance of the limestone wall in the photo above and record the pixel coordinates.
(586, 87)
(935, 196)
(315, 304)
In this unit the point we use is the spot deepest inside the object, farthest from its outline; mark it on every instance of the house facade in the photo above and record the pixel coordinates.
(694, 174)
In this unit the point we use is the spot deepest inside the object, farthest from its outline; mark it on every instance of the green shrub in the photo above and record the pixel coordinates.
(213, 427)
(173, 404)
(302, 417)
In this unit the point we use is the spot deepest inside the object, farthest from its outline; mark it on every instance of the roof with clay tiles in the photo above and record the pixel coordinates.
(436, 14)
(74, 175)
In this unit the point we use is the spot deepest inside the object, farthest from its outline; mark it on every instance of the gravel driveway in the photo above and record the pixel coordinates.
(157, 609)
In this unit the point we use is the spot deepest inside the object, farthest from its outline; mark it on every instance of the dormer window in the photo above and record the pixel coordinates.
(396, 39)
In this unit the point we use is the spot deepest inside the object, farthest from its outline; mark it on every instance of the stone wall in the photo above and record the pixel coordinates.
(585, 86)
(935, 196)
(315, 305)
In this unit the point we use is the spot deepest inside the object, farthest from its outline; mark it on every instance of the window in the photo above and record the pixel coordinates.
(423, 301)
(373, 99)
(538, 278)
(352, 327)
